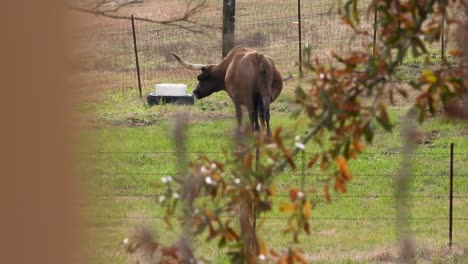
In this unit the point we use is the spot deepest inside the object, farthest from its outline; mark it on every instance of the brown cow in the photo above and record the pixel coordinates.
(250, 79)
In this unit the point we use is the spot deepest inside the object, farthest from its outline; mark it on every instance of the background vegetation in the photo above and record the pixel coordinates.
(131, 151)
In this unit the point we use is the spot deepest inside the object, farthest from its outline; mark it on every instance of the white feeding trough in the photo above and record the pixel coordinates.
(173, 89)
(170, 93)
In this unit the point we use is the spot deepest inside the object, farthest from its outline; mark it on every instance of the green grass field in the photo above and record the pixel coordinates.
(125, 158)
(126, 146)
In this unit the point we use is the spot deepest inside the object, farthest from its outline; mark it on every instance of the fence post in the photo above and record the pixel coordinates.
(136, 55)
(229, 29)
(451, 196)
(375, 30)
(300, 34)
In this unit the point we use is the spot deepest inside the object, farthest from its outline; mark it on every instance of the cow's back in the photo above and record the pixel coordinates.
(241, 76)
(249, 73)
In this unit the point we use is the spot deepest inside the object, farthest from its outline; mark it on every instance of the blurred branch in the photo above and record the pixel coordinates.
(191, 10)
(188, 186)
(401, 183)
(304, 141)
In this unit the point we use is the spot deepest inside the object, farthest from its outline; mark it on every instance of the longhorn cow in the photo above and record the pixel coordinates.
(249, 78)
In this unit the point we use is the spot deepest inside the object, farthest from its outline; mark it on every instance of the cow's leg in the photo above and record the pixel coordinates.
(252, 114)
(266, 113)
(257, 107)
(261, 113)
(238, 116)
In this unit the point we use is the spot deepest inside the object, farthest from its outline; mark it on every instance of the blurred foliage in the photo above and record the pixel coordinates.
(339, 121)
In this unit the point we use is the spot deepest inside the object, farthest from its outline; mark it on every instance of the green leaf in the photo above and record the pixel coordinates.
(385, 124)
(369, 132)
(300, 94)
(346, 148)
(383, 119)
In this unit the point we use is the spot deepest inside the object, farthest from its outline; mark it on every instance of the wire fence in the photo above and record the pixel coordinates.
(430, 184)
(106, 57)
(106, 54)
(130, 186)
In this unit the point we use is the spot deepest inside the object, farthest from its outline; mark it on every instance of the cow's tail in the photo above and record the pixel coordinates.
(264, 96)
(265, 77)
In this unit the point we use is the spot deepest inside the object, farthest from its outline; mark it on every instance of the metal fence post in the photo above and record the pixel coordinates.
(300, 34)
(451, 196)
(136, 55)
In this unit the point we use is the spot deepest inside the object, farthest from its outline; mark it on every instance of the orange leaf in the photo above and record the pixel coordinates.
(274, 253)
(307, 227)
(402, 91)
(271, 190)
(209, 214)
(293, 194)
(326, 190)
(340, 186)
(219, 165)
(288, 229)
(347, 21)
(299, 258)
(343, 168)
(287, 208)
(306, 210)
(456, 53)
(264, 249)
(359, 147)
(312, 161)
(289, 159)
(215, 176)
(356, 59)
(231, 235)
(283, 260)
(167, 220)
(324, 163)
(428, 76)
(279, 142)
(277, 137)
(248, 161)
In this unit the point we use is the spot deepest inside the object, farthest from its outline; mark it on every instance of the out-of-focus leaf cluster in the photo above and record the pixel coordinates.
(343, 102)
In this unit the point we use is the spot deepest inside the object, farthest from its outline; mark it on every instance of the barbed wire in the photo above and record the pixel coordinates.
(298, 174)
(307, 153)
(311, 219)
(310, 196)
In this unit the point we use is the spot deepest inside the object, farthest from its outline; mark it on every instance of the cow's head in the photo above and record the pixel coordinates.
(208, 83)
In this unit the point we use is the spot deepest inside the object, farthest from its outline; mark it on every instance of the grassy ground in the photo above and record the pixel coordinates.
(127, 149)
(130, 151)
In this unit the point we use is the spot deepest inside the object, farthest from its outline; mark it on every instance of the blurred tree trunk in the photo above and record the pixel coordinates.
(229, 12)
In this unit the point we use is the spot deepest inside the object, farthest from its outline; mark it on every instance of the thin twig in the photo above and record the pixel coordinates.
(175, 22)
(306, 139)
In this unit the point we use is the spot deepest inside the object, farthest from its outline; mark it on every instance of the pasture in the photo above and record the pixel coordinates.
(125, 161)
(126, 149)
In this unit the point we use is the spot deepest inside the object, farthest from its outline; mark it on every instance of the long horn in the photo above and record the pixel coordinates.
(188, 65)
